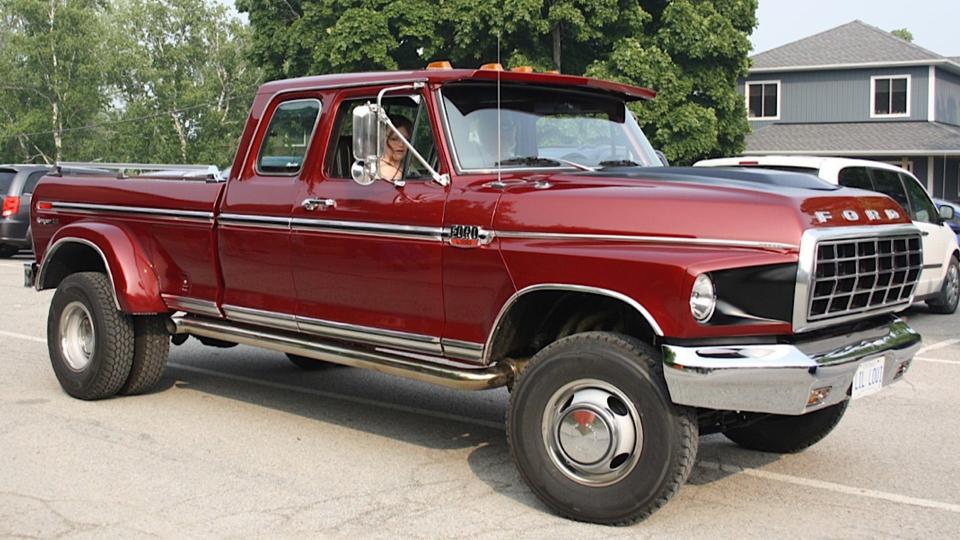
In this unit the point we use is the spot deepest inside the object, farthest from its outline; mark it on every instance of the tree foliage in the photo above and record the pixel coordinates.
(122, 80)
(903, 34)
(691, 51)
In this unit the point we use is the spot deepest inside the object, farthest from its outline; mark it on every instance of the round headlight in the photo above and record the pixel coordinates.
(703, 298)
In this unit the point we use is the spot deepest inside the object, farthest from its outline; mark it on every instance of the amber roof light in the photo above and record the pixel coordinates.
(492, 67)
(522, 69)
(439, 64)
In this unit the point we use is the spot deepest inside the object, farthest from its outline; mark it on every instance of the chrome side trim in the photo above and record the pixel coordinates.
(370, 335)
(191, 305)
(386, 230)
(807, 259)
(488, 346)
(155, 212)
(250, 220)
(452, 377)
(779, 378)
(711, 242)
(462, 350)
(71, 240)
(282, 321)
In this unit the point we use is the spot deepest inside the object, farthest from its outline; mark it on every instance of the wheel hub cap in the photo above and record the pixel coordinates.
(77, 338)
(592, 432)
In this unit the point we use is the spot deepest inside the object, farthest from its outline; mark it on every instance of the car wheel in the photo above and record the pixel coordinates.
(593, 432)
(91, 343)
(946, 302)
(783, 434)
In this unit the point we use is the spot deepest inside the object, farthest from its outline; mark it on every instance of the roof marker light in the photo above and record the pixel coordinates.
(492, 67)
(552, 72)
(439, 64)
(522, 69)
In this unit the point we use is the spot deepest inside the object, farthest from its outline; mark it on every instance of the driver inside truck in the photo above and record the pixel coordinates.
(394, 150)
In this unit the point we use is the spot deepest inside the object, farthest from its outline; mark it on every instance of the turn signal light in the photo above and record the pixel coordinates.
(522, 69)
(11, 205)
(492, 67)
(552, 72)
(439, 64)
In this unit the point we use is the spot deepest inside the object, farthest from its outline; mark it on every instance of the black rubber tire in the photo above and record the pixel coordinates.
(112, 356)
(670, 432)
(308, 364)
(946, 303)
(783, 434)
(150, 351)
(8, 251)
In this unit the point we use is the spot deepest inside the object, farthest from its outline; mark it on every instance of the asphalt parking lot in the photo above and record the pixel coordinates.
(239, 442)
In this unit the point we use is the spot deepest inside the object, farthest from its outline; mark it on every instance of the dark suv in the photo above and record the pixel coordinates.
(16, 188)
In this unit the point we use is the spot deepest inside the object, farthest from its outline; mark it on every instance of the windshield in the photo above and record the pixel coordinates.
(542, 128)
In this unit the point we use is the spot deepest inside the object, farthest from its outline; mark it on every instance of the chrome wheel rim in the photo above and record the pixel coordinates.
(953, 285)
(77, 338)
(592, 432)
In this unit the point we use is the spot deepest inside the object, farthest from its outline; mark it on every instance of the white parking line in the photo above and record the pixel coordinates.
(22, 336)
(710, 465)
(831, 486)
(938, 345)
(937, 360)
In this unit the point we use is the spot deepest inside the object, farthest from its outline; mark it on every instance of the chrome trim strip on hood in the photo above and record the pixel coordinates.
(711, 242)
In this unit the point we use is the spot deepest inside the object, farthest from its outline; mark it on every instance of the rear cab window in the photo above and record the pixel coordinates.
(285, 143)
(855, 177)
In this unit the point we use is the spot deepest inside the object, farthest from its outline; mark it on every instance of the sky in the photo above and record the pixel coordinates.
(933, 23)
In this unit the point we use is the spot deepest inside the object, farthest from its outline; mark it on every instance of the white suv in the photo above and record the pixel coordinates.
(940, 280)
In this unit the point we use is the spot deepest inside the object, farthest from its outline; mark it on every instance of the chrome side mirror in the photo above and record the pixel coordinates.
(366, 145)
(946, 213)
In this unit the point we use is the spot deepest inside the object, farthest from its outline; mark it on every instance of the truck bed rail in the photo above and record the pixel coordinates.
(158, 171)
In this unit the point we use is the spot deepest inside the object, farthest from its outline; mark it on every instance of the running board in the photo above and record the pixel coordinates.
(500, 374)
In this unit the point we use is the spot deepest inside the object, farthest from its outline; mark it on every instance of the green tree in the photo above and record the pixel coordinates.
(181, 81)
(903, 34)
(52, 60)
(691, 51)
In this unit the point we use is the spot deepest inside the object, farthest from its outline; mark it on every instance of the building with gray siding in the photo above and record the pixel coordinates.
(858, 91)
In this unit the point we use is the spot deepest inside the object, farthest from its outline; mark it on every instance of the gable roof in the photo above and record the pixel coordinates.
(853, 44)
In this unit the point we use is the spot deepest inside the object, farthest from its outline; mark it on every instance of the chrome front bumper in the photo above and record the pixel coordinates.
(785, 379)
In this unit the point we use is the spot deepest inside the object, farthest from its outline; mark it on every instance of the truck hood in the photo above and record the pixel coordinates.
(764, 206)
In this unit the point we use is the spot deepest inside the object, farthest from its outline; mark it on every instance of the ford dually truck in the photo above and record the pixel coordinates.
(533, 241)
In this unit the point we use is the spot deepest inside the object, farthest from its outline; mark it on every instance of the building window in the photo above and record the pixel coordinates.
(890, 96)
(763, 100)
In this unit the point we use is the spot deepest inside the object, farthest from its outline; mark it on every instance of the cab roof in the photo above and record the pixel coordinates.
(444, 76)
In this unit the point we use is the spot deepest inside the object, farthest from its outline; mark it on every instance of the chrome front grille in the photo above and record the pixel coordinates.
(858, 275)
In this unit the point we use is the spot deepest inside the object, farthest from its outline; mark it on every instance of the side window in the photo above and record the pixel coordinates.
(855, 177)
(288, 136)
(888, 183)
(409, 115)
(31, 182)
(922, 207)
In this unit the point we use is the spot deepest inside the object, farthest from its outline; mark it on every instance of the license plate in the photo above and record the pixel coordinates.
(868, 379)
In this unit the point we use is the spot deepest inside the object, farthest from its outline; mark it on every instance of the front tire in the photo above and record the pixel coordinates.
(783, 434)
(946, 301)
(593, 432)
(91, 343)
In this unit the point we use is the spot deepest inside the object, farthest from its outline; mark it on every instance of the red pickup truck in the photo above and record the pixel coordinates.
(487, 228)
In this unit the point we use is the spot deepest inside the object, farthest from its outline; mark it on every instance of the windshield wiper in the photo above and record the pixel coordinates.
(535, 161)
(619, 163)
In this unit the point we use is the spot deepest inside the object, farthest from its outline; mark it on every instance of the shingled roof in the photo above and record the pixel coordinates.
(853, 139)
(850, 44)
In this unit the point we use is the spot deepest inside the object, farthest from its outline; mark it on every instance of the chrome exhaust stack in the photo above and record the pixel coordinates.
(494, 376)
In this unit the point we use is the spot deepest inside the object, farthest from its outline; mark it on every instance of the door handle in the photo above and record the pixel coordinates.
(311, 205)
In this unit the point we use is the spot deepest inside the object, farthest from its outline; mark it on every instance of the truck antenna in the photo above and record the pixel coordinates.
(499, 134)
